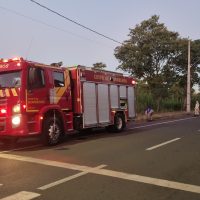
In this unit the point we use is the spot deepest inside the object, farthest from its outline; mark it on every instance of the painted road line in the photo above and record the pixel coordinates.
(22, 148)
(151, 181)
(23, 195)
(46, 162)
(70, 178)
(160, 123)
(162, 144)
(110, 173)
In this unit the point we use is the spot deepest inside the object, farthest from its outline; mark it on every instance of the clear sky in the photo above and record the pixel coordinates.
(32, 32)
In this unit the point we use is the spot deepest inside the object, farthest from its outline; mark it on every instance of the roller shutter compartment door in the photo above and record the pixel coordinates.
(131, 102)
(89, 102)
(114, 96)
(122, 90)
(103, 103)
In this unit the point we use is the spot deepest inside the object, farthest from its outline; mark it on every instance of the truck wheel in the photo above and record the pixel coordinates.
(52, 131)
(119, 123)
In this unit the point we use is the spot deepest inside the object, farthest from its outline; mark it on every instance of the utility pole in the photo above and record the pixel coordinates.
(188, 109)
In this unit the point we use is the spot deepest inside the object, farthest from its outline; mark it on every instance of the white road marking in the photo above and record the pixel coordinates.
(70, 178)
(22, 196)
(110, 173)
(162, 144)
(160, 123)
(22, 148)
(46, 162)
(151, 181)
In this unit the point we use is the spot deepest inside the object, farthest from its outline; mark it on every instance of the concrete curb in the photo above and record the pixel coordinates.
(164, 115)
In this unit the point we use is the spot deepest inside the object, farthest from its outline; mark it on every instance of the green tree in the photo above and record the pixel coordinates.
(181, 62)
(181, 65)
(157, 56)
(99, 65)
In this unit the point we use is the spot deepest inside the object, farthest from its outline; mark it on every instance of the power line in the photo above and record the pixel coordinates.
(77, 23)
(51, 26)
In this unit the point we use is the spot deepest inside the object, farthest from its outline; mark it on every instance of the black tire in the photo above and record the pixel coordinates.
(52, 131)
(119, 123)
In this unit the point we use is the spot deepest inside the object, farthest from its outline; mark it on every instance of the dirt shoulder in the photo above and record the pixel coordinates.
(164, 115)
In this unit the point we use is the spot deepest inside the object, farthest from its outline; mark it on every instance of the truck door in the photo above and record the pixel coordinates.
(37, 94)
(62, 89)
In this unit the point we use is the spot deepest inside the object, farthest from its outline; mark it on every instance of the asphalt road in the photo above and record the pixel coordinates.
(154, 160)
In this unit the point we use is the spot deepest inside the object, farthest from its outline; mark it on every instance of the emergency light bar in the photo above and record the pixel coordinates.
(11, 60)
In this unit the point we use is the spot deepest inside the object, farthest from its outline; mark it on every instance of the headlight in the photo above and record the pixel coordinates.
(16, 108)
(16, 120)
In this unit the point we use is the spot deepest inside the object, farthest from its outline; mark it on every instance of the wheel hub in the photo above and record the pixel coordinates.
(54, 132)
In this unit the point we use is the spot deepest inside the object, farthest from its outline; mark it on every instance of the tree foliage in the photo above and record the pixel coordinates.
(158, 57)
(99, 65)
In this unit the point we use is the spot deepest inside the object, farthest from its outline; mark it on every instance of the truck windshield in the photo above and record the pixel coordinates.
(10, 79)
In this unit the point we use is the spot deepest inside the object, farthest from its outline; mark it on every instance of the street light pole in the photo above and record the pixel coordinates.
(188, 109)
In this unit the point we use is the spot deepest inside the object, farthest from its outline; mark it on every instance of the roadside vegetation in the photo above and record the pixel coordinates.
(173, 102)
(158, 59)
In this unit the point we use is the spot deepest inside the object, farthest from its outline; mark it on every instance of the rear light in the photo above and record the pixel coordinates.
(133, 82)
(3, 111)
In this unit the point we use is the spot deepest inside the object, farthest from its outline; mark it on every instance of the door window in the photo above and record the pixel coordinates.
(35, 78)
(58, 79)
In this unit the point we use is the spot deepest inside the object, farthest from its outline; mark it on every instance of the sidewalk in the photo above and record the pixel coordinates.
(164, 115)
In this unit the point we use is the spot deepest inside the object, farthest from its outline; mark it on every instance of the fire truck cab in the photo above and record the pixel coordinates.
(50, 100)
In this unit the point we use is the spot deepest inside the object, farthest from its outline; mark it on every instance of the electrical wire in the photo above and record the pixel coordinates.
(53, 27)
(77, 23)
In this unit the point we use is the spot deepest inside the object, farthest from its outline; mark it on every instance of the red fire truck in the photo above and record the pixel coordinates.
(50, 100)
